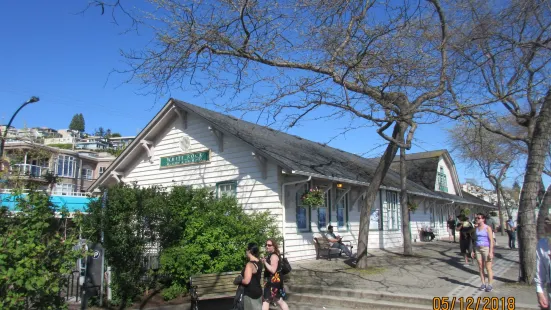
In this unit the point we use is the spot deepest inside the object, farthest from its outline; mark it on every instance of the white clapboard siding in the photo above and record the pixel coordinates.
(235, 163)
(299, 245)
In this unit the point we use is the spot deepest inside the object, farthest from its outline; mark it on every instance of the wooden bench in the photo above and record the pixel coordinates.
(322, 244)
(212, 286)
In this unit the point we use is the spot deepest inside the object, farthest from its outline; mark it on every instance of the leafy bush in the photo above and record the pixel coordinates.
(35, 256)
(126, 221)
(204, 234)
(173, 291)
(196, 233)
(65, 146)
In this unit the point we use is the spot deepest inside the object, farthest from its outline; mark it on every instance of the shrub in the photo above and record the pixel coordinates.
(35, 256)
(196, 232)
(126, 222)
(212, 234)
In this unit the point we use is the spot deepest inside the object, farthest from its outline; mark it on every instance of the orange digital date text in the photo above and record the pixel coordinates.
(470, 303)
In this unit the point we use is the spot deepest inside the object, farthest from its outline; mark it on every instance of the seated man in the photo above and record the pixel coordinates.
(427, 231)
(336, 241)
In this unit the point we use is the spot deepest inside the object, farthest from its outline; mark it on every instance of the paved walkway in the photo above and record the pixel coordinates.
(436, 270)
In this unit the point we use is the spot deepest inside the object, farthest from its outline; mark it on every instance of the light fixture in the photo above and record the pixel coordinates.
(339, 185)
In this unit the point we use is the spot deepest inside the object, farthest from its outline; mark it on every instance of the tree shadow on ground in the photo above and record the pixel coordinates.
(455, 281)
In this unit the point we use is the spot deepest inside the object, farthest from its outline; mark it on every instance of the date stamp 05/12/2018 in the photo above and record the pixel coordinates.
(470, 303)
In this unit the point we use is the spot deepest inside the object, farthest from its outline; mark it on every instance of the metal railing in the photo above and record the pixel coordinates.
(71, 292)
(33, 171)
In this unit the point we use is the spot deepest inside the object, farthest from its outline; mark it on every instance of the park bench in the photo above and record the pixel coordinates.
(212, 286)
(323, 245)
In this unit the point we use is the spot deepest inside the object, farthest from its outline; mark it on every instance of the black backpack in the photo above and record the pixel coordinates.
(285, 266)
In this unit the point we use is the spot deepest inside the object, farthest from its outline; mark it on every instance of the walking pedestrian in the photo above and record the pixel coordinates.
(273, 284)
(251, 276)
(451, 228)
(511, 232)
(543, 266)
(484, 251)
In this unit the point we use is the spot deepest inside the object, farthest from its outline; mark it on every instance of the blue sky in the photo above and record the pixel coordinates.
(51, 51)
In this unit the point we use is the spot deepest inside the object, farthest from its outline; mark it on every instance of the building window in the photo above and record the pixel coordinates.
(442, 181)
(226, 189)
(102, 170)
(392, 203)
(342, 210)
(64, 189)
(322, 211)
(87, 174)
(66, 166)
(303, 211)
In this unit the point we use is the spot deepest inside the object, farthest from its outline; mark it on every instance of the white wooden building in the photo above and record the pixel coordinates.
(270, 170)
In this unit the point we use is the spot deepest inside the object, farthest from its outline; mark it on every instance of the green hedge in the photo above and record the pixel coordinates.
(196, 232)
(36, 254)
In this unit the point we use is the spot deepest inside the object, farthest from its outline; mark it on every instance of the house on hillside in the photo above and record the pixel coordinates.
(268, 170)
(76, 170)
(435, 170)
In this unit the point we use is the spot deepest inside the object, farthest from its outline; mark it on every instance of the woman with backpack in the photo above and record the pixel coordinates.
(273, 284)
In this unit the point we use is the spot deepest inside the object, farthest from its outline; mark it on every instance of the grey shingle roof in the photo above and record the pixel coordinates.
(299, 154)
(422, 171)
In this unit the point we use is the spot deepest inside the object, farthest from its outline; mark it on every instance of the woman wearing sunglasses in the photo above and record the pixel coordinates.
(273, 285)
(484, 251)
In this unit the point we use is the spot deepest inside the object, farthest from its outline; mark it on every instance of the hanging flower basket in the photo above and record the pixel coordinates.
(313, 198)
(412, 206)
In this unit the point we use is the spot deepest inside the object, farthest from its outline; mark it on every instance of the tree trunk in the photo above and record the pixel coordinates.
(537, 152)
(501, 219)
(543, 211)
(406, 229)
(372, 190)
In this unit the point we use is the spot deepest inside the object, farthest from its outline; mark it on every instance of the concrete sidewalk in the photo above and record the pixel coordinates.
(436, 270)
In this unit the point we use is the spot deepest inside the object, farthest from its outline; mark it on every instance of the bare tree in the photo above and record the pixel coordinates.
(505, 49)
(492, 153)
(377, 62)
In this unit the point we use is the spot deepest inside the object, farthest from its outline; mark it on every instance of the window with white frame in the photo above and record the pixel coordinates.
(64, 189)
(227, 188)
(341, 209)
(323, 211)
(87, 174)
(302, 211)
(102, 170)
(393, 211)
(66, 166)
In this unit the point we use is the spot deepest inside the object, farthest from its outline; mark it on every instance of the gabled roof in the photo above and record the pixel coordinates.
(299, 155)
(292, 153)
(422, 168)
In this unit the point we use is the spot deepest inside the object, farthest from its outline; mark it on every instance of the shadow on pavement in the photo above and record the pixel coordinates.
(455, 281)
(217, 304)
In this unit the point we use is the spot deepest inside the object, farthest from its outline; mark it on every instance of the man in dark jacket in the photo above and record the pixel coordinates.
(451, 228)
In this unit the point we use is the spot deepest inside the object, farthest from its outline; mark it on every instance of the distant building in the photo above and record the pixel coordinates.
(76, 170)
(121, 142)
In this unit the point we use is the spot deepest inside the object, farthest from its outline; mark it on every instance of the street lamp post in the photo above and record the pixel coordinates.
(32, 100)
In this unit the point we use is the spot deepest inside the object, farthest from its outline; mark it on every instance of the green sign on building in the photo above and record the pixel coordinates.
(185, 159)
